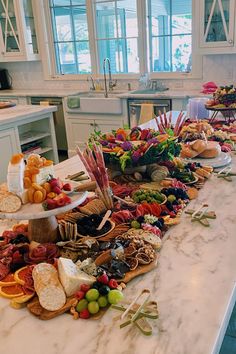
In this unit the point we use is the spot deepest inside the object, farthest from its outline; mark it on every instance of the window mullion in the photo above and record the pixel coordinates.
(74, 39)
(91, 19)
(142, 37)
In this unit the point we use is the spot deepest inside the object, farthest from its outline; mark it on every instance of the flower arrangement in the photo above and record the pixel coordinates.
(130, 148)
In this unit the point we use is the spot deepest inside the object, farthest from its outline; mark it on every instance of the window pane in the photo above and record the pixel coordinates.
(117, 32)
(83, 57)
(67, 58)
(106, 20)
(63, 23)
(170, 29)
(109, 49)
(132, 55)
(78, 2)
(60, 2)
(181, 53)
(127, 18)
(80, 23)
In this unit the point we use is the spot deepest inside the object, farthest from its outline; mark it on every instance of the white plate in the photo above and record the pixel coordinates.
(216, 162)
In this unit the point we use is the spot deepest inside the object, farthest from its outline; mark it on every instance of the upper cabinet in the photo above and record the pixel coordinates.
(18, 41)
(217, 30)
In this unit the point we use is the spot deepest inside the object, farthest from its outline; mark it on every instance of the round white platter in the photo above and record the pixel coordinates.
(35, 211)
(222, 160)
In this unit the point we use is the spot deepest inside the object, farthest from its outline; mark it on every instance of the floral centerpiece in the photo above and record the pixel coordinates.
(131, 148)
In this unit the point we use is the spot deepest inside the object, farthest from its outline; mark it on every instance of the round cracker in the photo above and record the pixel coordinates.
(10, 203)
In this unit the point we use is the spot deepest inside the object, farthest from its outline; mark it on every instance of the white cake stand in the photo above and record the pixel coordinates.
(43, 226)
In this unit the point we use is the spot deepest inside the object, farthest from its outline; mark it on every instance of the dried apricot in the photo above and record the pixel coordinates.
(16, 158)
(38, 196)
(44, 193)
(48, 163)
(31, 192)
(51, 195)
(47, 186)
(34, 170)
(34, 178)
(37, 186)
(34, 160)
(27, 173)
(27, 182)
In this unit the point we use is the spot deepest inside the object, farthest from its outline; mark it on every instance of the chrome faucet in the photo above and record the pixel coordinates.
(92, 87)
(112, 83)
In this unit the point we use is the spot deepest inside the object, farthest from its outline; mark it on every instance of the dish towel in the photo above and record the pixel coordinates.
(73, 102)
(147, 113)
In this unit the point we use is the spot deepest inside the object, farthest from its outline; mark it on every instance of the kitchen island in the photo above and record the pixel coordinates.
(194, 285)
(26, 128)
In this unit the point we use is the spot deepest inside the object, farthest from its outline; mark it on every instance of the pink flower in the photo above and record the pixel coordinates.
(136, 156)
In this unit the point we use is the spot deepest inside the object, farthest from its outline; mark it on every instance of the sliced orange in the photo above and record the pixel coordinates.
(8, 280)
(11, 291)
(20, 274)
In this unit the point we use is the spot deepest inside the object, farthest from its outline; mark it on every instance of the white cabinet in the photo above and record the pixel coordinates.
(217, 29)
(18, 41)
(79, 129)
(8, 147)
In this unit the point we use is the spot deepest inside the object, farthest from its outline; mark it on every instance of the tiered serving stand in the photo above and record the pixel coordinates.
(43, 225)
(228, 113)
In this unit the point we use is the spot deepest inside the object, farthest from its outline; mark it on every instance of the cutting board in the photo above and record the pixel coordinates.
(141, 269)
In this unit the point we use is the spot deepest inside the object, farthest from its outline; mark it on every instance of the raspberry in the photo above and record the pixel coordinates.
(84, 287)
(67, 187)
(79, 295)
(113, 284)
(103, 279)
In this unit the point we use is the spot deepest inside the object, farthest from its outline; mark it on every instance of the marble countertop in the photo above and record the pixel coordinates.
(194, 285)
(18, 112)
(181, 93)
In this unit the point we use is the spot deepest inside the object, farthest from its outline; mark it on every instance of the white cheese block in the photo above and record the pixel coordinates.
(15, 177)
(71, 277)
(43, 174)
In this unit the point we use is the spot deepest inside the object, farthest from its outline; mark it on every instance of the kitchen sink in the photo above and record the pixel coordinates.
(150, 91)
(95, 102)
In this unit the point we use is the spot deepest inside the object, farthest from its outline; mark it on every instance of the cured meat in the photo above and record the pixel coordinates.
(122, 216)
(122, 191)
(4, 268)
(146, 208)
(43, 253)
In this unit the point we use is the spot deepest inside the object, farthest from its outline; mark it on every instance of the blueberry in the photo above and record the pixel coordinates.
(96, 285)
(140, 219)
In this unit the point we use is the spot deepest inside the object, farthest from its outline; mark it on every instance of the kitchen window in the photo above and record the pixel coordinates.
(170, 35)
(117, 34)
(137, 36)
(70, 36)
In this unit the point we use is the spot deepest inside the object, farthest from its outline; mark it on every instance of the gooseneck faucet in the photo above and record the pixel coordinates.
(111, 82)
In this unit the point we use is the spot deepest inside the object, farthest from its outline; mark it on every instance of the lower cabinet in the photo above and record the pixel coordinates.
(8, 147)
(79, 130)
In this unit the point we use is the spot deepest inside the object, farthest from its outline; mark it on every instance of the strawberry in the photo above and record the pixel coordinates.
(60, 202)
(56, 190)
(79, 295)
(49, 204)
(84, 287)
(113, 284)
(84, 314)
(67, 187)
(103, 279)
(53, 182)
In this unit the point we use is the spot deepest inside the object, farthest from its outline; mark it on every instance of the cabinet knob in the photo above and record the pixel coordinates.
(230, 41)
(2, 53)
(92, 124)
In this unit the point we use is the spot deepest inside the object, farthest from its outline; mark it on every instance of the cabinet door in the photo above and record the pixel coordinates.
(8, 147)
(9, 27)
(218, 23)
(79, 131)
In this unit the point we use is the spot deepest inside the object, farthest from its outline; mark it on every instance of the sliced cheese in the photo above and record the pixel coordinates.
(71, 277)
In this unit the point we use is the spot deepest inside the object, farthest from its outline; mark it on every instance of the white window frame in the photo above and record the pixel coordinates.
(49, 60)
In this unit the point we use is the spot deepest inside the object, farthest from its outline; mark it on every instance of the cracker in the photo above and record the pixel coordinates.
(10, 203)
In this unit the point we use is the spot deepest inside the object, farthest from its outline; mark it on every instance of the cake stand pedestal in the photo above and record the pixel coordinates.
(43, 226)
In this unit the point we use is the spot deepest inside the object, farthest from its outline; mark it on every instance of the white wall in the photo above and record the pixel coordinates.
(218, 68)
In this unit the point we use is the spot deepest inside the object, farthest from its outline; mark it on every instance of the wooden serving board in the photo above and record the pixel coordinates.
(141, 269)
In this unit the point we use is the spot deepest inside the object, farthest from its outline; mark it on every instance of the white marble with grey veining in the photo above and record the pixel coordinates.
(193, 284)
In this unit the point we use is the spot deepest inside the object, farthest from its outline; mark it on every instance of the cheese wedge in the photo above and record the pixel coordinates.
(71, 277)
